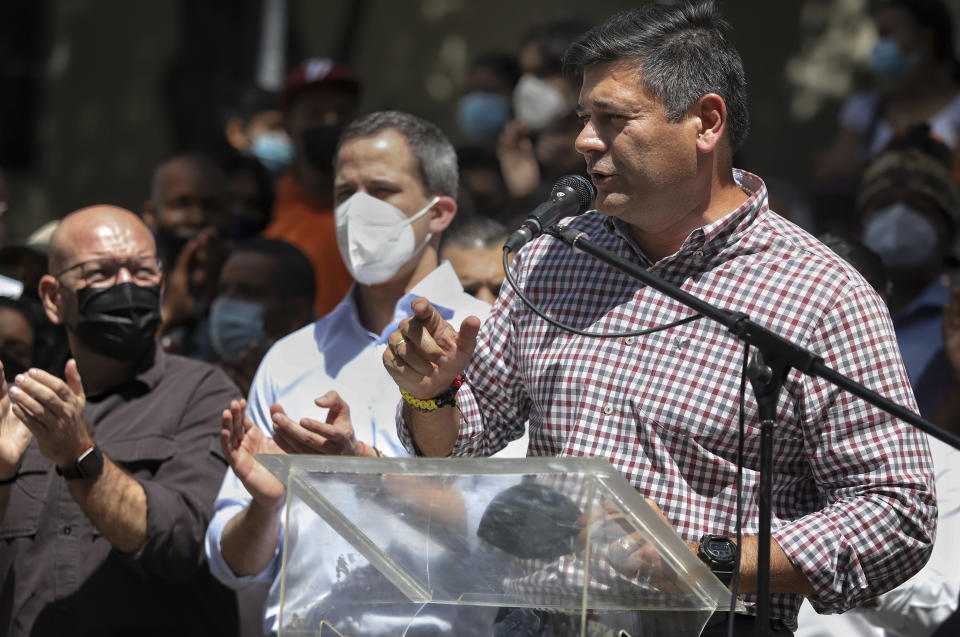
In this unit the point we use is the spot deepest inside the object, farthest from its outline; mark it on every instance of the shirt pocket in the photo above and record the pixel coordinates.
(141, 456)
(27, 497)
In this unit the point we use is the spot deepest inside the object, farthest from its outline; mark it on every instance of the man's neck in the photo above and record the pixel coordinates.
(376, 303)
(100, 373)
(658, 241)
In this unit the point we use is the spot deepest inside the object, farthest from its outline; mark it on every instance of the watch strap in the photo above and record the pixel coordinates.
(722, 569)
(88, 465)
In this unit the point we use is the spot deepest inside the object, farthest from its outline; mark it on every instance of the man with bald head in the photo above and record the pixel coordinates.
(107, 478)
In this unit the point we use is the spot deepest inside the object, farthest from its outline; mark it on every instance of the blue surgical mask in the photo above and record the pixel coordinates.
(901, 236)
(274, 150)
(235, 326)
(890, 64)
(482, 115)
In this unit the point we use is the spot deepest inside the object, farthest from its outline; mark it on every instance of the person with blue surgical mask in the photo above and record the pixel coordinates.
(917, 80)
(484, 108)
(909, 205)
(265, 291)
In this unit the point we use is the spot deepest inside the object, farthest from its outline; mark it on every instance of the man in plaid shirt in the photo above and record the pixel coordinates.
(663, 107)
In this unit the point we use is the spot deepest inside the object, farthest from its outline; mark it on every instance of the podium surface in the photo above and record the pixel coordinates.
(481, 546)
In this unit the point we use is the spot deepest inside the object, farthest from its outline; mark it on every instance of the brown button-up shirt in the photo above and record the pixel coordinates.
(60, 576)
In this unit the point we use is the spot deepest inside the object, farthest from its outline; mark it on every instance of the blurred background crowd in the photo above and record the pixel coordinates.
(218, 121)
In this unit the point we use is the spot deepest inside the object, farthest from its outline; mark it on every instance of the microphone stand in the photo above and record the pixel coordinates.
(774, 358)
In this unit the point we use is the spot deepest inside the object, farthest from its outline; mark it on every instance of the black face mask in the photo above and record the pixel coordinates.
(119, 321)
(320, 145)
(11, 366)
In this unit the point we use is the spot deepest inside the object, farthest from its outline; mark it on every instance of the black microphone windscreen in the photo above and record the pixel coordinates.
(582, 188)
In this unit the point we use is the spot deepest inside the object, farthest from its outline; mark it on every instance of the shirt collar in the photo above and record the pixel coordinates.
(714, 237)
(441, 287)
(144, 381)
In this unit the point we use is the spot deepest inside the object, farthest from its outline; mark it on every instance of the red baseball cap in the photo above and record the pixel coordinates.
(315, 72)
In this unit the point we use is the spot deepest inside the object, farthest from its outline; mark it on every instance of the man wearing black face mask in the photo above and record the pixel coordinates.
(107, 479)
(319, 98)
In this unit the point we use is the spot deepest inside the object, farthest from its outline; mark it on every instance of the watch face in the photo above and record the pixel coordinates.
(720, 549)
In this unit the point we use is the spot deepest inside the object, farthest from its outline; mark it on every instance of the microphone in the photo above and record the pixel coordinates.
(571, 196)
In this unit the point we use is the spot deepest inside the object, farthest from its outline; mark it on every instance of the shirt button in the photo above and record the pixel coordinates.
(629, 340)
(67, 530)
(607, 409)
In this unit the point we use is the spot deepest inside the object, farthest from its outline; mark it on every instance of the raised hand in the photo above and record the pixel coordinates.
(53, 410)
(241, 440)
(335, 436)
(426, 354)
(193, 276)
(14, 435)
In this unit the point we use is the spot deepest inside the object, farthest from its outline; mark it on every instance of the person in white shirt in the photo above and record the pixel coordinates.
(323, 389)
(917, 607)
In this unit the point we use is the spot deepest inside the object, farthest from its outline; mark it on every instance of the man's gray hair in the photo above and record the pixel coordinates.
(436, 158)
(683, 53)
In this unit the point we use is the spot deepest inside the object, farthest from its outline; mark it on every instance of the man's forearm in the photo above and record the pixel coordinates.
(116, 504)
(435, 432)
(784, 576)
(250, 538)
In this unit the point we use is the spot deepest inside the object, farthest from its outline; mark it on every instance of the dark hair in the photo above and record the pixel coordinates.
(503, 65)
(233, 163)
(293, 276)
(474, 231)
(553, 38)
(928, 14)
(436, 158)
(683, 52)
(250, 101)
(867, 262)
(32, 313)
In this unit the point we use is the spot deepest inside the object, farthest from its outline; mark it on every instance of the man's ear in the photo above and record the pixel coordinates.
(52, 298)
(710, 113)
(149, 215)
(442, 214)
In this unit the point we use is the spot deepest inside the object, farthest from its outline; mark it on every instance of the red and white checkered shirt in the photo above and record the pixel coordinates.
(853, 495)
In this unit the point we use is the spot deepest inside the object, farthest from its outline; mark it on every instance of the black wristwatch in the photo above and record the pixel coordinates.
(719, 553)
(88, 466)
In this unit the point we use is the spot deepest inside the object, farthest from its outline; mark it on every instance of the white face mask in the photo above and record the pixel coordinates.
(375, 238)
(901, 236)
(537, 103)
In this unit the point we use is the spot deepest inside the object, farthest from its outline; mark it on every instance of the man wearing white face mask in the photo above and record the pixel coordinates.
(394, 183)
(910, 207)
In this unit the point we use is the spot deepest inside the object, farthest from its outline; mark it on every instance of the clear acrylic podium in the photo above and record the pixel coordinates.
(461, 547)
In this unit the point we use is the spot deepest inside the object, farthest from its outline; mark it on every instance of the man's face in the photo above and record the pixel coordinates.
(249, 276)
(480, 270)
(320, 106)
(193, 199)
(383, 166)
(639, 162)
(104, 255)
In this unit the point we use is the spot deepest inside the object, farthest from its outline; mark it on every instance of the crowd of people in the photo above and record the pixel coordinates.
(334, 285)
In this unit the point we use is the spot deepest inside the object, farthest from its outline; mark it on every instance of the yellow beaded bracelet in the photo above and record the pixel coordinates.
(432, 404)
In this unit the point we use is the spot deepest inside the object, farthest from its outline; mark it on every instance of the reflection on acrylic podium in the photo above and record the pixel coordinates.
(462, 547)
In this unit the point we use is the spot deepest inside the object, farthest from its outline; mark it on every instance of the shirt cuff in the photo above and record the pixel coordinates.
(218, 565)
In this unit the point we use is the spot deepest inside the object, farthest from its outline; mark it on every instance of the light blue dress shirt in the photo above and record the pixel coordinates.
(334, 353)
